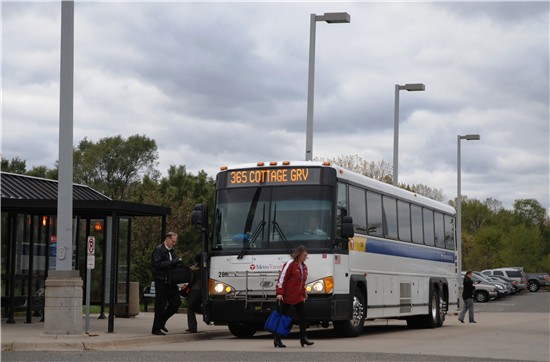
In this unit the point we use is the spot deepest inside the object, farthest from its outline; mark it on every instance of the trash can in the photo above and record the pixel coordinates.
(132, 308)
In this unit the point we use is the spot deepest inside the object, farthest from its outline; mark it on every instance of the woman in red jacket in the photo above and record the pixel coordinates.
(291, 290)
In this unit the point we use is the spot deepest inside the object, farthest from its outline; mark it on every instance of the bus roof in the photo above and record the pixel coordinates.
(354, 177)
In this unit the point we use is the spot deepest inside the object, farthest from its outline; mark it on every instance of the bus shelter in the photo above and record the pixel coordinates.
(29, 236)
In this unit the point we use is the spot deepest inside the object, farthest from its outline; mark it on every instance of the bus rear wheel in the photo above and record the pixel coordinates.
(353, 327)
(435, 316)
(242, 330)
(433, 319)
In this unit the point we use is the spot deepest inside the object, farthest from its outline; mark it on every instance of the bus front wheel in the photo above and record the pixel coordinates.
(242, 330)
(354, 326)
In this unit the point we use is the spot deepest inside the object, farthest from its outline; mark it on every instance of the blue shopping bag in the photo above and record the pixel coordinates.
(278, 323)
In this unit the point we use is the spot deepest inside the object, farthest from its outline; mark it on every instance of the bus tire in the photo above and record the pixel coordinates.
(353, 327)
(434, 310)
(440, 311)
(435, 316)
(242, 330)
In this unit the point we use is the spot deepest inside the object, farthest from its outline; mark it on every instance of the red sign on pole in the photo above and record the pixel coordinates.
(91, 245)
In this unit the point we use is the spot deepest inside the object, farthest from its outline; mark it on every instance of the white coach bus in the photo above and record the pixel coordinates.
(375, 251)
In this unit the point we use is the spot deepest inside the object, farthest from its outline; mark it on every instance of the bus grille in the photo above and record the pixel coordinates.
(259, 287)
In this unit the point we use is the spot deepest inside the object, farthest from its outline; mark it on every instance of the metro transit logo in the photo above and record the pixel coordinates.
(265, 267)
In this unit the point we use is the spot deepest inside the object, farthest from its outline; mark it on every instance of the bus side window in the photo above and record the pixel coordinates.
(341, 211)
(374, 214)
(358, 209)
(449, 233)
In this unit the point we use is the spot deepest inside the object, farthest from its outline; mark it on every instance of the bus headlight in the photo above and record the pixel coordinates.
(320, 286)
(218, 288)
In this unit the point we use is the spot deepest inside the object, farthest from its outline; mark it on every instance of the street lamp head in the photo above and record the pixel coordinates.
(471, 137)
(415, 87)
(334, 18)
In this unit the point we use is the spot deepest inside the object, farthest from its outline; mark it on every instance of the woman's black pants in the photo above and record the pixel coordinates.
(301, 310)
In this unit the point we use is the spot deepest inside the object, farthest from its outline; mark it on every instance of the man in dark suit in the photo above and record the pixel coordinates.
(167, 299)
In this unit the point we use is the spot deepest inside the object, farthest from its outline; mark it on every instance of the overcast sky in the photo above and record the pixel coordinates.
(226, 83)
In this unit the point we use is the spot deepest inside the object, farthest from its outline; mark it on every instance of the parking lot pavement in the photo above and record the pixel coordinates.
(23, 336)
(523, 332)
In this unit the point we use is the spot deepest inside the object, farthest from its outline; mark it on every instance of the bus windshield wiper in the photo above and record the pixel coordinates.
(252, 237)
(283, 237)
(279, 230)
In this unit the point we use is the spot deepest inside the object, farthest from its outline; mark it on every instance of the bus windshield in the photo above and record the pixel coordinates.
(273, 218)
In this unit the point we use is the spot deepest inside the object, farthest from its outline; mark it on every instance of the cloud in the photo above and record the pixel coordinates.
(226, 83)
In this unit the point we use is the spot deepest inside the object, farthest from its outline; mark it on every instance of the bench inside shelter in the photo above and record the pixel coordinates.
(20, 304)
(148, 295)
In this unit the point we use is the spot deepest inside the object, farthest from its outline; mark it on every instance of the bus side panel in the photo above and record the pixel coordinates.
(399, 286)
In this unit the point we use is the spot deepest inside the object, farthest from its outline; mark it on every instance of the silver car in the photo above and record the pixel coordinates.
(484, 292)
(514, 273)
(511, 285)
(503, 289)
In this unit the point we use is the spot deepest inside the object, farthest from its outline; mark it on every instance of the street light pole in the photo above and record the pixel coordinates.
(411, 88)
(329, 18)
(468, 137)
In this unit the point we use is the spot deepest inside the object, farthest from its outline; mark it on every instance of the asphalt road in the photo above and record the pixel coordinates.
(516, 328)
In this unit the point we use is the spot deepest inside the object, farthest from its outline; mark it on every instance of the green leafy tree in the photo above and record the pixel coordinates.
(16, 165)
(114, 165)
(485, 252)
(475, 215)
(44, 172)
(19, 166)
(530, 212)
(180, 191)
(523, 247)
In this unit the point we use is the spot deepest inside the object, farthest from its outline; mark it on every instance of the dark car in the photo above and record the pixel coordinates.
(507, 280)
(509, 286)
(537, 280)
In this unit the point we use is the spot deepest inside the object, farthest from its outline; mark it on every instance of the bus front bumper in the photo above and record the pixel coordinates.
(318, 308)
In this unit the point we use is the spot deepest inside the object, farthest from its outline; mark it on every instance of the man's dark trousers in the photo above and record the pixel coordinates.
(167, 302)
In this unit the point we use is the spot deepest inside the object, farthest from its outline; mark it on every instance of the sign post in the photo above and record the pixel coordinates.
(90, 242)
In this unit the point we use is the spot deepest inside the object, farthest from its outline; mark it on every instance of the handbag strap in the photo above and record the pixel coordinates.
(280, 314)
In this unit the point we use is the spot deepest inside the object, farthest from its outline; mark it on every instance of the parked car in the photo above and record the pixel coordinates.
(502, 290)
(537, 280)
(510, 282)
(509, 286)
(484, 292)
(515, 273)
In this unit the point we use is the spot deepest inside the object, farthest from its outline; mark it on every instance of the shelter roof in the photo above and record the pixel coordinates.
(30, 194)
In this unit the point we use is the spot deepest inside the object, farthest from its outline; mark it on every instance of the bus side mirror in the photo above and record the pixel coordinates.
(199, 215)
(347, 227)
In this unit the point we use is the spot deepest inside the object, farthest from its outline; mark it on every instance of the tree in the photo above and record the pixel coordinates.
(530, 212)
(485, 253)
(381, 170)
(474, 215)
(180, 191)
(523, 247)
(426, 191)
(114, 165)
(16, 165)
(44, 172)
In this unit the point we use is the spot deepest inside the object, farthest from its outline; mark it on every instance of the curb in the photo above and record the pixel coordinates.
(112, 344)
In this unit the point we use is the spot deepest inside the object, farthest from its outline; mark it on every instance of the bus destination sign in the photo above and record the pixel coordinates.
(273, 176)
